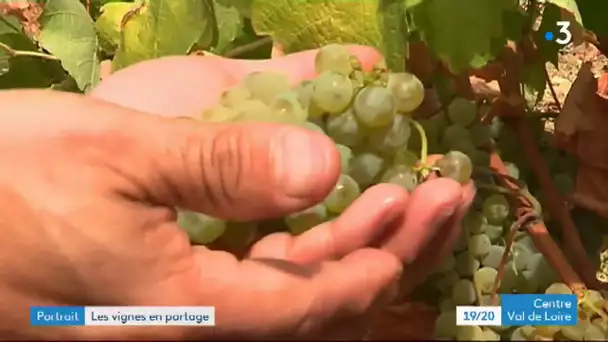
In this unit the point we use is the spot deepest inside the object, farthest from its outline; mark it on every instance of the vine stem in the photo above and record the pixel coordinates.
(424, 144)
(237, 51)
(10, 52)
(542, 240)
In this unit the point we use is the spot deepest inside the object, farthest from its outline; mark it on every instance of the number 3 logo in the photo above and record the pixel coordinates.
(566, 35)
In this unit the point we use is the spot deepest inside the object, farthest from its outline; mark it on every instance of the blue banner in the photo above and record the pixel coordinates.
(539, 309)
(56, 315)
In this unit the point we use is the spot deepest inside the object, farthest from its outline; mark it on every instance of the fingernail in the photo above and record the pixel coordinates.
(299, 161)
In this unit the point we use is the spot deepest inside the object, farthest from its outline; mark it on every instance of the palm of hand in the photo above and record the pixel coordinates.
(117, 242)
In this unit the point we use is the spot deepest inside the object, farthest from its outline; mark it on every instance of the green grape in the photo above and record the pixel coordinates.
(564, 183)
(345, 192)
(525, 333)
(401, 175)
(487, 300)
(366, 168)
(355, 63)
(332, 92)
(541, 271)
(546, 332)
(447, 281)
(494, 256)
(469, 333)
(447, 304)
(346, 157)
(287, 109)
(576, 332)
(490, 335)
(407, 91)
(374, 106)
(496, 127)
(235, 95)
(253, 111)
(512, 170)
(465, 264)
(304, 91)
(335, 58)
(479, 245)
(219, 114)
(391, 137)
(462, 111)
(453, 134)
(527, 282)
(265, 85)
(461, 243)
(493, 232)
(474, 222)
(594, 333)
(446, 264)
(239, 234)
(463, 292)
(521, 256)
(405, 157)
(480, 157)
(345, 129)
(445, 326)
(313, 127)
(558, 288)
(304, 220)
(201, 229)
(484, 279)
(496, 209)
(456, 165)
(481, 135)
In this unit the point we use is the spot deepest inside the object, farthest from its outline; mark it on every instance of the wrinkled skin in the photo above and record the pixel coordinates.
(87, 187)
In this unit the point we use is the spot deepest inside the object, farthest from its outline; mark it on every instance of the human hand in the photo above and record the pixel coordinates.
(88, 190)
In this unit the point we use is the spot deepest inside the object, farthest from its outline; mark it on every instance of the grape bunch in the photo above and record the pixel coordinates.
(369, 116)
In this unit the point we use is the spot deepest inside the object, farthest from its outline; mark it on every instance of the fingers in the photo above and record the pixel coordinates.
(350, 287)
(431, 206)
(239, 171)
(364, 222)
(186, 85)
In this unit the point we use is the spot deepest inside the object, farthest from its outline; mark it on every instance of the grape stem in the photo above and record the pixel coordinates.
(424, 168)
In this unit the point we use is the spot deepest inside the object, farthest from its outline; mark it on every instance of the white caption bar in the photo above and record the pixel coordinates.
(149, 315)
(479, 315)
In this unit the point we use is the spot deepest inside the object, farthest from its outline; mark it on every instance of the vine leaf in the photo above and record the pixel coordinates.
(108, 24)
(243, 6)
(394, 33)
(441, 24)
(229, 24)
(23, 72)
(593, 14)
(306, 24)
(163, 28)
(68, 32)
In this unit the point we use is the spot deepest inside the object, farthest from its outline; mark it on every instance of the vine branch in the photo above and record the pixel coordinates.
(10, 53)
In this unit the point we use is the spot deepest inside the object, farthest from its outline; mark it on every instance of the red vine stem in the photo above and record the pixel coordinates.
(542, 240)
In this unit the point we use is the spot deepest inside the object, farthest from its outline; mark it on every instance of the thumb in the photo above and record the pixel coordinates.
(237, 171)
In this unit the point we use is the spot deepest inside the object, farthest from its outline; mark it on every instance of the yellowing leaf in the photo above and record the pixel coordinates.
(68, 32)
(163, 28)
(305, 24)
(108, 23)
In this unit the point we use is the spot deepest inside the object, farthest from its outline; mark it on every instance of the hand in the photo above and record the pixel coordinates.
(88, 190)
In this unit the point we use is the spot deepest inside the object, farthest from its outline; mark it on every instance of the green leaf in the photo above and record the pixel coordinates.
(394, 33)
(534, 81)
(462, 33)
(68, 32)
(165, 27)
(243, 6)
(229, 24)
(569, 12)
(306, 24)
(593, 14)
(108, 24)
(25, 72)
(548, 49)
(570, 6)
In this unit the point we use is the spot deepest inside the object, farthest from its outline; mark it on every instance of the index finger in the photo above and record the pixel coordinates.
(180, 86)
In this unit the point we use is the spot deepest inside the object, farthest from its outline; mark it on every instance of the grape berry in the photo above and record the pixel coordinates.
(370, 117)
